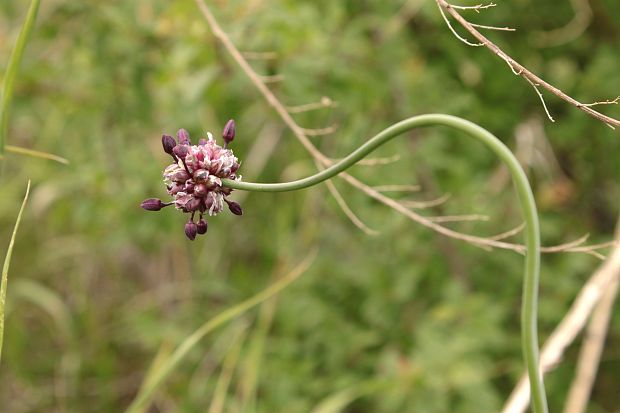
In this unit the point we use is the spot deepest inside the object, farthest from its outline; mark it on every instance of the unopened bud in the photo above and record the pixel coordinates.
(234, 207)
(202, 142)
(229, 132)
(190, 230)
(183, 136)
(202, 226)
(168, 143)
(180, 150)
(152, 204)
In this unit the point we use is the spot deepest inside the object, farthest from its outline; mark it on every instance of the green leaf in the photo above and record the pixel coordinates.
(5, 268)
(11, 71)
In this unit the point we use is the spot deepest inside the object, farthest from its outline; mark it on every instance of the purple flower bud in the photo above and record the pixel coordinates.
(190, 230)
(180, 151)
(202, 226)
(234, 207)
(168, 143)
(183, 136)
(202, 142)
(229, 132)
(152, 204)
(200, 190)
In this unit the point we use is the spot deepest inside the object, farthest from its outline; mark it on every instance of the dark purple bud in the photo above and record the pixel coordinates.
(180, 151)
(202, 226)
(234, 207)
(229, 132)
(202, 142)
(168, 143)
(183, 136)
(200, 190)
(190, 230)
(152, 204)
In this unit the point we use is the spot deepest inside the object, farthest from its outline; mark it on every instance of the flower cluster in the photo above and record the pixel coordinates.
(195, 178)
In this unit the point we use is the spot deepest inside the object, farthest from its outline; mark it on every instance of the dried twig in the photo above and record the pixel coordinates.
(592, 348)
(325, 102)
(348, 211)
(517, 67)
(298, 131)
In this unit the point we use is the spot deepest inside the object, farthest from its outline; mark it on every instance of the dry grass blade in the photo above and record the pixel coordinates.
(348, 211)
(228, 367)
(36, 154)
(7, 264)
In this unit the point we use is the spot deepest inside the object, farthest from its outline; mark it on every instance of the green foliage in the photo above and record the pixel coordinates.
(100, 83)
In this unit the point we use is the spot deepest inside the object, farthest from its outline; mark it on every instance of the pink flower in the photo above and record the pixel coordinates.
(194, 180)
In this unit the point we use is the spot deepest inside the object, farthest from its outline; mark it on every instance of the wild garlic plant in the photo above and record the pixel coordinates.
(204, 175)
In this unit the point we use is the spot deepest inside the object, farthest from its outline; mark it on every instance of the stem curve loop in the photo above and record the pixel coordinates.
(529, 306)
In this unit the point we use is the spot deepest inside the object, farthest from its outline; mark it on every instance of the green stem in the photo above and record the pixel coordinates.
(529, 334)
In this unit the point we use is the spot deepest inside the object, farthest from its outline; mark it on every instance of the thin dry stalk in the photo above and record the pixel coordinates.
(517, 68)
(591, 350)
(299, 132)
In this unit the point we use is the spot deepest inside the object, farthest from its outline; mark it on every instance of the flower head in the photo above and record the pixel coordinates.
(194, 180)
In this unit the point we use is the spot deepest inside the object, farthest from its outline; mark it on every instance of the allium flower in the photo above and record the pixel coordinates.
(195, 178)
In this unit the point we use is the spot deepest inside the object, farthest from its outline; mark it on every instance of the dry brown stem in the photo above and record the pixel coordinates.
(324, 161)
(517, 68)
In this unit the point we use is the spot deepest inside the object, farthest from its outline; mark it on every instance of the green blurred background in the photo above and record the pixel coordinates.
(98, 286)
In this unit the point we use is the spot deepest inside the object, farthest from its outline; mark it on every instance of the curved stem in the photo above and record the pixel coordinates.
(529, 336)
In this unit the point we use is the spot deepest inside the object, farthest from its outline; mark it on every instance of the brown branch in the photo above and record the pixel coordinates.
(590, 355)
(521, 70)
(299, 132)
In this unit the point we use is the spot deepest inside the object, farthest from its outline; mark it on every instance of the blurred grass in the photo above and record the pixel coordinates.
(8, 83)
(101, 82)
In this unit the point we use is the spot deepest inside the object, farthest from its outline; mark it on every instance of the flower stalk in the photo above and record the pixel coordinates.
(203, 175)
(529, 304)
